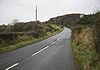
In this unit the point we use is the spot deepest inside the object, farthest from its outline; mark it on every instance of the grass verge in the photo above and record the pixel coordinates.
(28, 42)
(84, 57)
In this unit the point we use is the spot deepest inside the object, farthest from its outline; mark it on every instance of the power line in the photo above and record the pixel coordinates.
(19, 4)
(22, 5)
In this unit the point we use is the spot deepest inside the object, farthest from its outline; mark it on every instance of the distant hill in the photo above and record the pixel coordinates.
(65, 19)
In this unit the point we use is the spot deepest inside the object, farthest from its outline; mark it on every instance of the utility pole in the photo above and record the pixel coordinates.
(36, 14)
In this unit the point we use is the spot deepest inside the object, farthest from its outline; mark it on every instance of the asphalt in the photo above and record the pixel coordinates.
(54, 53)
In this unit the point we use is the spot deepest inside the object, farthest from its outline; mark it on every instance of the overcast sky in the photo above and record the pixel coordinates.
(24, 10)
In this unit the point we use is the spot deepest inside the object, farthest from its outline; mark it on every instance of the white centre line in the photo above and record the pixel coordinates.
(40, 51)
(33, 54)
(11, 66)
(58, 39)
(53, 42)
(45, 47)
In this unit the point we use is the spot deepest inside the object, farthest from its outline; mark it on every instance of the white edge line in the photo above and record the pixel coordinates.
(11, 66)
(40, 51)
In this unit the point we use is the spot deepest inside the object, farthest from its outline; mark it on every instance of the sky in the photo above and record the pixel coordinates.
(24, 10)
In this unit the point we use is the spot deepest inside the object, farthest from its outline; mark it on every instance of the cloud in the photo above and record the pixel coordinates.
(25, 9)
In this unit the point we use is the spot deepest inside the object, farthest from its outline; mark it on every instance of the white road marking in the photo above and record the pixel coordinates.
(53, 42)
(58, 38)
(11, 66)
(40, 51)
(45, 47)
(33, 54)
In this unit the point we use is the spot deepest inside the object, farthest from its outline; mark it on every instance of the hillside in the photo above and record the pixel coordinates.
(65, 19)
(86, 42)
(85, 38)
(22, 34)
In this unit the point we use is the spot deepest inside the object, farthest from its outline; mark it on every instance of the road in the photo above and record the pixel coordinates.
(53, 53)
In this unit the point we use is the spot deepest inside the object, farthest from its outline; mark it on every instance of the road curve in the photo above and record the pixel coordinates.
(53, 53)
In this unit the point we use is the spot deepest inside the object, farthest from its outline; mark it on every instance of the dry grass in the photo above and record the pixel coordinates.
(83, 48)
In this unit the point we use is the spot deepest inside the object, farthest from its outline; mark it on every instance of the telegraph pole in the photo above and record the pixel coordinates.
(36, 14)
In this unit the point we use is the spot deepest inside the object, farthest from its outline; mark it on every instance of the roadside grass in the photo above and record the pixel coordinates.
(84, 57)
(83, 45)
(26, 42)
(84, 50)
(98, 67)
(56, 27)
